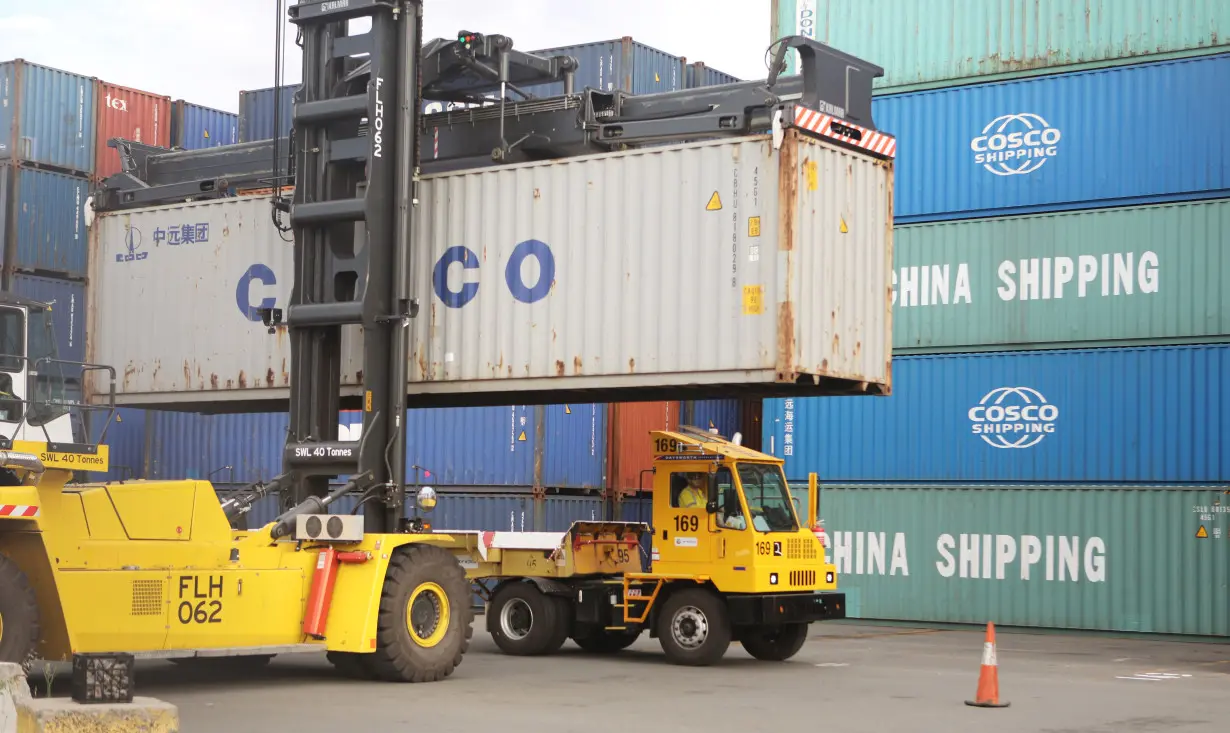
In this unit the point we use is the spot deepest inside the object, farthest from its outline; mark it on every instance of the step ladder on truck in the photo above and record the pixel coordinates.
(156, 568)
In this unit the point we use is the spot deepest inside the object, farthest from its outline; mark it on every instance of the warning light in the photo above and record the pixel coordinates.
(468, 39)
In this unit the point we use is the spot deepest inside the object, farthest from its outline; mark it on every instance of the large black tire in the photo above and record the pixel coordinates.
(426, 588)
(526, 622)
(775, 643)
(19, 627)
(563, 624)
(602, 641)
(694, 627)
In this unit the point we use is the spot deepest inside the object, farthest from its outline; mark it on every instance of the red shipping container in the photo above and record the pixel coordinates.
(131, 114)
(630, 448)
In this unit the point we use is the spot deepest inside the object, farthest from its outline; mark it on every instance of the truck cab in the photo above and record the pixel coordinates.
(726, 512)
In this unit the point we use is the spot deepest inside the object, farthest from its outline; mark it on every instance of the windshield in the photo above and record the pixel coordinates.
(12, 340)
(767, 497)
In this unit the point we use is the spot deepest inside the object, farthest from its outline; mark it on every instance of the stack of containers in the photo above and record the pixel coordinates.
(1054, 452)
(194, 127)
(48, 151)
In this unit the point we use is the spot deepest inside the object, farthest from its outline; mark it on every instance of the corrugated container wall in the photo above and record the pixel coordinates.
(933, 42)
(125, 440)
(565, 242)
(1126, 559)
(42, 223)
(497, 446)
(1125, 415)
(720, 415)
(699, 75)
(1059, 142)
(476, 512)
(545, 307)
(256, 112)
(622, 64)
(1052, 280)
(194, 127)
(46, 117)
(68, 299)
(130, 114)
(629, 444)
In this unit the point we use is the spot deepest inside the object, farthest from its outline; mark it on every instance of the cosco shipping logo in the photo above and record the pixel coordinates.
(1014, 145)
(1013, 417)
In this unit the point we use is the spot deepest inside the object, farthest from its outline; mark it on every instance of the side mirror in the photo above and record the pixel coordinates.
(712, 505)
(427, 499)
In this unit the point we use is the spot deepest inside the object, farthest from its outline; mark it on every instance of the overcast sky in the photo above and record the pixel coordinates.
(205, 51)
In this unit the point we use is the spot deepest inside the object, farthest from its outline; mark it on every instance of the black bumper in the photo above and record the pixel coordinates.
(786, 608)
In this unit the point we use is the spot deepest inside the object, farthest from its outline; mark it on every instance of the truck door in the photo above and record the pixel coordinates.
(684, 534)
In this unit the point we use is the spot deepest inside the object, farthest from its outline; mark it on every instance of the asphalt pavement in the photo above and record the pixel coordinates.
(848, 678)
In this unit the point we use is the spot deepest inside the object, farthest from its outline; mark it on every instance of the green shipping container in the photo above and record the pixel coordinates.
(930, 43)
(1134, 275)
(1137, 559)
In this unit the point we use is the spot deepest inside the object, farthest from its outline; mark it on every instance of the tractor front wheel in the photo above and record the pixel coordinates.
(19, 629)
(775, 643)
(425, 620)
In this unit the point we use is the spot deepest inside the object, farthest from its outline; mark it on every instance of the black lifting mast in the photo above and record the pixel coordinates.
(355, 153)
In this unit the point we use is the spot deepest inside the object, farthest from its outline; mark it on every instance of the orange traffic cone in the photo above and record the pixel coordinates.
(988, 679)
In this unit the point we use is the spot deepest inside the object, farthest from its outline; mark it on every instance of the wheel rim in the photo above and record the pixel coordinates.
(689, 627)
(427, 614)
(516, 619)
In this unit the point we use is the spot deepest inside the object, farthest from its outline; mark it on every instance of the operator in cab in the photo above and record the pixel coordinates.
(694, 495)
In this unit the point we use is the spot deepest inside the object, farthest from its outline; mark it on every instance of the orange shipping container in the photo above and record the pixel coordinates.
(630, 449)
(132, 115)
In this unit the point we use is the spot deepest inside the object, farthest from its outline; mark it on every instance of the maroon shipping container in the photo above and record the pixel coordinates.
(131, 114)
(630, 448)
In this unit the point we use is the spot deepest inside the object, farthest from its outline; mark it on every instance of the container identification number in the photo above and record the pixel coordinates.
(200, 603)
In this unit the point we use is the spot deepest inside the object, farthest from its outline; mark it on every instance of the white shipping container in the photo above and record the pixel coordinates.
(728, 265)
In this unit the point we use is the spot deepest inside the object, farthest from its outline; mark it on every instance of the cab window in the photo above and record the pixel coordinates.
(12, 340)
(768, 499)
(689, 490)
(47, 389)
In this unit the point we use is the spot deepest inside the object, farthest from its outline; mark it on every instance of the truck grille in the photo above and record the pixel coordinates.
(803, 578)
(801, 549)
(147, 598)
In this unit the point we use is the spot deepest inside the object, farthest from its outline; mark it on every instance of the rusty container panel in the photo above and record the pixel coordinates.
(620, 270)
(730, 267)
(174, 297)
(629, 444)
(131, 114)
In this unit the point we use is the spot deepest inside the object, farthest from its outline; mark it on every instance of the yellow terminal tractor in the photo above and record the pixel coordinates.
(731, 560)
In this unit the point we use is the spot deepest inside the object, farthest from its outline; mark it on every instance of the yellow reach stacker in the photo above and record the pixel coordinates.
(162, 569)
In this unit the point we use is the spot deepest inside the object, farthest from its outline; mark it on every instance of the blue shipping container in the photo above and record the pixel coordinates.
(622, 64)
(46, 116)
(194, 127)
(720, 415)
(1066, 141)
(68, 305)
(42, 222)
(1122, 415)
(474, 512)
(256, 112)
(125, 441)
(489, 446)
(699, 75)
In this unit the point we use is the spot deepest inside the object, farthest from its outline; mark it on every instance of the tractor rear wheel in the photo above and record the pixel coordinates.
(19, 629)
(525, 622)
(775, 643)
(425, 621)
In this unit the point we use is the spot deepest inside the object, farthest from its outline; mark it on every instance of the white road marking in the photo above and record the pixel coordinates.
(1153, 676)
(832, 664)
